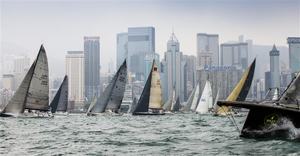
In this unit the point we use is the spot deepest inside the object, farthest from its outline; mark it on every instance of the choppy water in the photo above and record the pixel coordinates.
(180, 134)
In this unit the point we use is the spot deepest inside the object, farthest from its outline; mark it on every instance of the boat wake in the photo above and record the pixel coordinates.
(284, 129)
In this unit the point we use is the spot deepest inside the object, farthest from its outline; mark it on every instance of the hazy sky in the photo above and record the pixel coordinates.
(61, 25)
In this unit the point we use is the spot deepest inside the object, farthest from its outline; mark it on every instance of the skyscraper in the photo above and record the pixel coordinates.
(140, 40)
(273, 77)
(294, 53)
(75, 73)
(207, 50)
(91, 66)
(174, 69)
(234, 54)
(122, 48)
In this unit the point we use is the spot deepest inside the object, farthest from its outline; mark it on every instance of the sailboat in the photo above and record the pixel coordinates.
(170, 102)
(216, 100)
(271, 118)
(150, 102)
(33, 93)
(133, 105)
(176, 106)
(240, 91)
(196, 98)
(110, 100)
(59, 103)
(205, 100)
(193, 100)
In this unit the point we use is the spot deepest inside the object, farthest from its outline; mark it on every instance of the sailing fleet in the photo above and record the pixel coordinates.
(32, 98)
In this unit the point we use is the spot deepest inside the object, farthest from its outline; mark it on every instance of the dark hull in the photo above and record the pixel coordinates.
(5, 115)
(267, 120)
(147, 113)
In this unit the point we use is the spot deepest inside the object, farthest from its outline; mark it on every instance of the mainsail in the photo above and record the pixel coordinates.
(196, 97)
(93, 102)
(210, 99)
(113, 93)
(216, 100)
(133, 105)
(169, 102)
(119, 89)
(189, 102)
(60, 100)
(143, 104)
(204, 100)
(155, 101)
(38, 92)
(292, 93)
(33, 93)
(241, 90)
(176, 105)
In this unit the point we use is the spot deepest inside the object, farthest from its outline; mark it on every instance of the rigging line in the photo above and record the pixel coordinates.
(230, 120)
(234, 121)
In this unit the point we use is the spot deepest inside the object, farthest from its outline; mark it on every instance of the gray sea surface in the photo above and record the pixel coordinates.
(178, 134)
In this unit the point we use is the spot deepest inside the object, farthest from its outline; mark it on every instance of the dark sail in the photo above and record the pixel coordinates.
(143, 104)
(176, 105)
(244, 92)
(60, 101)
(118, 92)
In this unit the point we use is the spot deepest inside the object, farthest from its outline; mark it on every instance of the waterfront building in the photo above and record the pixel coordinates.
(75, 72)
(234, 54)
(207, 50)
(122, 49)
(294, 53)
(91, 66)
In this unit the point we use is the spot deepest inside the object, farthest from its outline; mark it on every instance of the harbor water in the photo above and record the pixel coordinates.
(178, 134)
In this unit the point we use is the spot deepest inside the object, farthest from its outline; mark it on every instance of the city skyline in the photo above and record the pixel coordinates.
(61, 26)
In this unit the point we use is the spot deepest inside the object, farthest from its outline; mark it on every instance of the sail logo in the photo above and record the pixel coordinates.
(203, 100)
(271, 119)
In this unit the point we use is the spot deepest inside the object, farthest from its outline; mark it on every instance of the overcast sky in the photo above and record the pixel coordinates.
(61, 25)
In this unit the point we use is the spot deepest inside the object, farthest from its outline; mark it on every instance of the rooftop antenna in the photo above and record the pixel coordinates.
(173, 28)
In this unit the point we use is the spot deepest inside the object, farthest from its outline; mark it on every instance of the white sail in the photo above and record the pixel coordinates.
(189, 102)
(216, 100)
(291, 94)
(16, 104)
(92, 103)
(276, 95)
(118, 92)
(196, 97)
(168, 104)
(38, 93)
(155, 101)
(210, 99)
(203, 103)
(173, 98)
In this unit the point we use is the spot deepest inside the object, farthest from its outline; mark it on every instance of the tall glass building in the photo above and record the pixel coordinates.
(122, 49)
(294, 53)
(91, 66)
(274, 67)
(140, 40)
(235, 54)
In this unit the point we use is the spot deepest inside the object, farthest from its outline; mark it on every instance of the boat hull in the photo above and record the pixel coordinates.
(105, 114)
(268, 120)
(147, 113)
